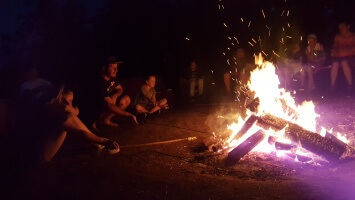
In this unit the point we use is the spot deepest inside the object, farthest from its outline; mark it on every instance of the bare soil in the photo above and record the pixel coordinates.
(181, 171)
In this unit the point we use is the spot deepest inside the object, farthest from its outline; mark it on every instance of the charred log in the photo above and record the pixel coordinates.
(313, 142)
(245, 147)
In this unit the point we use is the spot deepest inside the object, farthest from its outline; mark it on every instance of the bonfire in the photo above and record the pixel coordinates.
(278, 125)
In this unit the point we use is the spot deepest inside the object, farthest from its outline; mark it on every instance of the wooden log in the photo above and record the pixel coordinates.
(245, 147)
(284, 146)
(313, 142)
(247, 125)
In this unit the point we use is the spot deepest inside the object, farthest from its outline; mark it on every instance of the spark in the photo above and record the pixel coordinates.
(225, 24)
(187, 38)
(242, 19)
(285, 49)
(219, 6)
(288, 12)
(253, 40)
(269, 33)
(223, 53)
(232, 43)
(213, 83)
(282, 39)
(288, 36)
(275, 53)
(250, 43)
(263, 13)
(236, 40)
(283, 29)
(288, 24)
(228, 62)
(228, 48)
(264, 53)
(249, 23)
(301, 37)
(282, 13)
(229, 38)
(211, 71)
(267, 27)
(223, 7)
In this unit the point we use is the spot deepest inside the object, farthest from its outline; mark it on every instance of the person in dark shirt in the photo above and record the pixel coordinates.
(111, 94)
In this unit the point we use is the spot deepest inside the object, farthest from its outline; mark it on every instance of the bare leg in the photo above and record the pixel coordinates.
(310, 72)
(347, 71)
(160, 104)
(53, 144)
(141, 109)
(200, 86)
(334, 73)
(227, 81)
(192, 87)
(107, 116)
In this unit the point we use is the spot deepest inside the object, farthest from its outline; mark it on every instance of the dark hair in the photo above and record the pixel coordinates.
(150, 75)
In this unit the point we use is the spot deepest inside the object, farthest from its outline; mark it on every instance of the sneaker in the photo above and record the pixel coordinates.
(105, 149)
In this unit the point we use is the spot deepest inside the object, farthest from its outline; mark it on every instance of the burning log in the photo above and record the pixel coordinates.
(247, 125)
(245, 147)
(326, 147)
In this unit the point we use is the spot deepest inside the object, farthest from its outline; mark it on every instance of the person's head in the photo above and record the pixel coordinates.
(111, 67)
(240, 53)
(68, 96)
(344, 28)
(312, 40)
(193, 65)
(150, 81)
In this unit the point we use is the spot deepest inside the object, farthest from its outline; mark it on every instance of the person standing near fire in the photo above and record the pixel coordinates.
(342, 52)
(239, 71)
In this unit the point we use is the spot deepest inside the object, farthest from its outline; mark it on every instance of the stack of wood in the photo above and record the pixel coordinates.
(328, 147)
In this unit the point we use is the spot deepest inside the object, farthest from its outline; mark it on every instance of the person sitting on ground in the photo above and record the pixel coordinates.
(315, 59)
(34, 86)
(343, 50)
(195, 78)
(239, 71)
(61, 117)
(145, 101)
(111, 93)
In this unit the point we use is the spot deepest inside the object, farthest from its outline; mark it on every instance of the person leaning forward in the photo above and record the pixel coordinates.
(111, 94)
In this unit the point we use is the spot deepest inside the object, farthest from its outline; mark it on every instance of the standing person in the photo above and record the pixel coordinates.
(292, 65)
(343, 50)
(195, 78)
(146, 101)
(111, 93)
(315, 59)
(239, 71)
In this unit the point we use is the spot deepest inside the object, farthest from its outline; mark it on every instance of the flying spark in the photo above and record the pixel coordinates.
(275, 53)
(263, 13)
(225, 24)
(288, 12)
(251, 43)
(187, 38)
(282, 13)
(249, 23)
(242, 19)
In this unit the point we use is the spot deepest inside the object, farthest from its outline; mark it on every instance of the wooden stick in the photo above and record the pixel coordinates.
(158, 143)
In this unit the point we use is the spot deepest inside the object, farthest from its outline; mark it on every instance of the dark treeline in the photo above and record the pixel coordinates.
(67, 40)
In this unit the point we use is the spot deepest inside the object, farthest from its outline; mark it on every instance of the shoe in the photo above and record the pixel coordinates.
(105, 149)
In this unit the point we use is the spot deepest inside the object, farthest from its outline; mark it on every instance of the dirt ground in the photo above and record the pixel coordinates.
(178, 171)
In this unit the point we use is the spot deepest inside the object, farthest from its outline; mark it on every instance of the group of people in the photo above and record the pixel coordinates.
(297, 62)
(53, 114)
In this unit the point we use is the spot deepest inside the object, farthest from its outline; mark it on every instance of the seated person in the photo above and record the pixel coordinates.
(61, 117)
(195, 78)
(34, 86)
(291, 65)
(315, 59)
(343, 50)
(145, 101)
(110, 94)
(239, 71)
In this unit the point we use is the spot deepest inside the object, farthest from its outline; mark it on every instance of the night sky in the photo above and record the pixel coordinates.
(67, 40)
